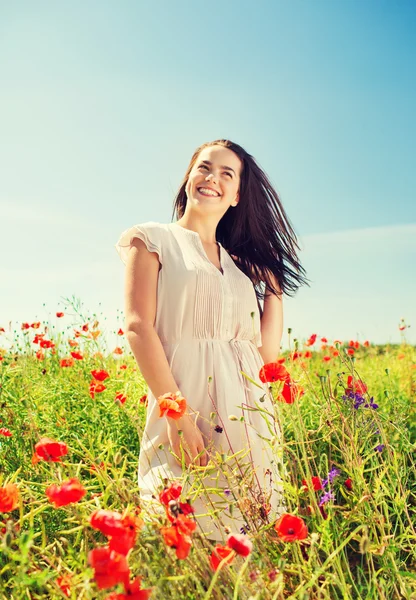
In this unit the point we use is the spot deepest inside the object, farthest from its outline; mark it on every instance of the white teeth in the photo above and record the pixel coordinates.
(208, 192)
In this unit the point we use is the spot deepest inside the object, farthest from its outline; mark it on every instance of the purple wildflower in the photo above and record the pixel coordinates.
(326, 497)
(380, 447)
(331, 476)
(218, 429)
(372, 404)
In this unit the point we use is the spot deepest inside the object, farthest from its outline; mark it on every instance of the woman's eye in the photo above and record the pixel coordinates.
(227, 173)
(203, 167)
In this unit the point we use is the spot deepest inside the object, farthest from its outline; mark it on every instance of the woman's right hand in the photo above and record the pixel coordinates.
(190, 441)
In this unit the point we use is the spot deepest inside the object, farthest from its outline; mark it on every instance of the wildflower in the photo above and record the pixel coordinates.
(40, 355)
(307, 354)
(120, 397)
(333, 473)
(178, 535)
(6, 432)
(85, 327)
(100, 375)
(121, 530)
(372, 404)
(120, 332)
(96, 388)
(50, 450)
(172, 405)
(380, 447)
(77, 355)
(133, 592)
(291, 528)
(326, 358)
(110, 567)
(311, 340)
(59, 315)
(356, 385)
(73, 343)
(351, 351)
(170, 493)
(219, 554)
(64, 582)
(118, 350)
(25, 326)
(240, 544)
(316, 483)
(143, 399)
(66, 362)
(291, 391)
(326, 497)
(348, 483)
(324, 340)
(273, 371)
(9, 497)
(218, 429)
(46, 344)
(69, 492)
(366, 343)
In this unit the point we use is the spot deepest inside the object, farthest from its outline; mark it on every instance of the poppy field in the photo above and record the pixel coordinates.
(71, 522)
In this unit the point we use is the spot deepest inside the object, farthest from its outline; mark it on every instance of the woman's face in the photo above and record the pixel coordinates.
(214, 180)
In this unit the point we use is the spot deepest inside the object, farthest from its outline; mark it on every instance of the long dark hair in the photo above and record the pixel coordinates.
(257, 231)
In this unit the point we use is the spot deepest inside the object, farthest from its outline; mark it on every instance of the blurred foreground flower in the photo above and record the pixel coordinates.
(49, 450)
(9, 497)
(110, 567)
(68, 492)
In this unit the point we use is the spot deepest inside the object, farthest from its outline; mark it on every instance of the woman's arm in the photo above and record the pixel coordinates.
(271, 325)
(141, 280)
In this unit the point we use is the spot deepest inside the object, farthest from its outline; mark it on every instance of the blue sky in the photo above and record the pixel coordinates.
(102, 106)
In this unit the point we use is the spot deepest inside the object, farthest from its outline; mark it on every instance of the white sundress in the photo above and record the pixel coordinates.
(208, 322)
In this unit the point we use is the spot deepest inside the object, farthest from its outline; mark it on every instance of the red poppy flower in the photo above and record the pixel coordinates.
(77, 355)
(351, 351)
(316, 483)
(46, 344)
(172, 406)
(133, 592)
(110, 567)
(291, 528)
(219, 554)
(291, 392)
(73, 343)
(335, 353)
(366, 343)
(25, 326)
(6, 432)
(9, 497)
(64, 582)
(120, 332)
(100, 375)
(40, 355)
(68, 492)
(181, 543)
(118, 350)
(66, 362)
(359, 387)
(348, 483)
(143, 399)
(240, 543)
(50, 450)
(35, 325)
(273, 372)
(311, 340)
(122, 531)
(96, 388)
(324, 340)
(85, 327)
(307, 354)
(170, 493)
(59, 315)
(326, 358)
(121, 397)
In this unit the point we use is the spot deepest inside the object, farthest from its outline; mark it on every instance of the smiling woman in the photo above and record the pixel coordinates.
(195, 326)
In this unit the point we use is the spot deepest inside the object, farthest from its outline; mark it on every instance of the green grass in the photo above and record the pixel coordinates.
(361, 545)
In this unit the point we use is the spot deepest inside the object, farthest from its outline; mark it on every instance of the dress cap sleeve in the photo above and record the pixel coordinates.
(149, 232)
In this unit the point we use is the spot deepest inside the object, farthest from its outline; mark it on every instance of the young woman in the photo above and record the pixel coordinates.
(197, 329)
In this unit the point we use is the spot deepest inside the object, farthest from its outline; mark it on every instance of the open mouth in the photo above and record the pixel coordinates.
(208, 192)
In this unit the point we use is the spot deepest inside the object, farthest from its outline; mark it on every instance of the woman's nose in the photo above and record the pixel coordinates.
(210, 175)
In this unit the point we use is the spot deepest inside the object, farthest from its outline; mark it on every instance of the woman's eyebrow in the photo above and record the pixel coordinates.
(208, 162)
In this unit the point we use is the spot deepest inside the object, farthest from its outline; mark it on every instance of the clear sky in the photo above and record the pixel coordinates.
(103, 104)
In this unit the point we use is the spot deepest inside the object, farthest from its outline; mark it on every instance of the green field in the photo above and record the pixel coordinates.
(361, 541)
